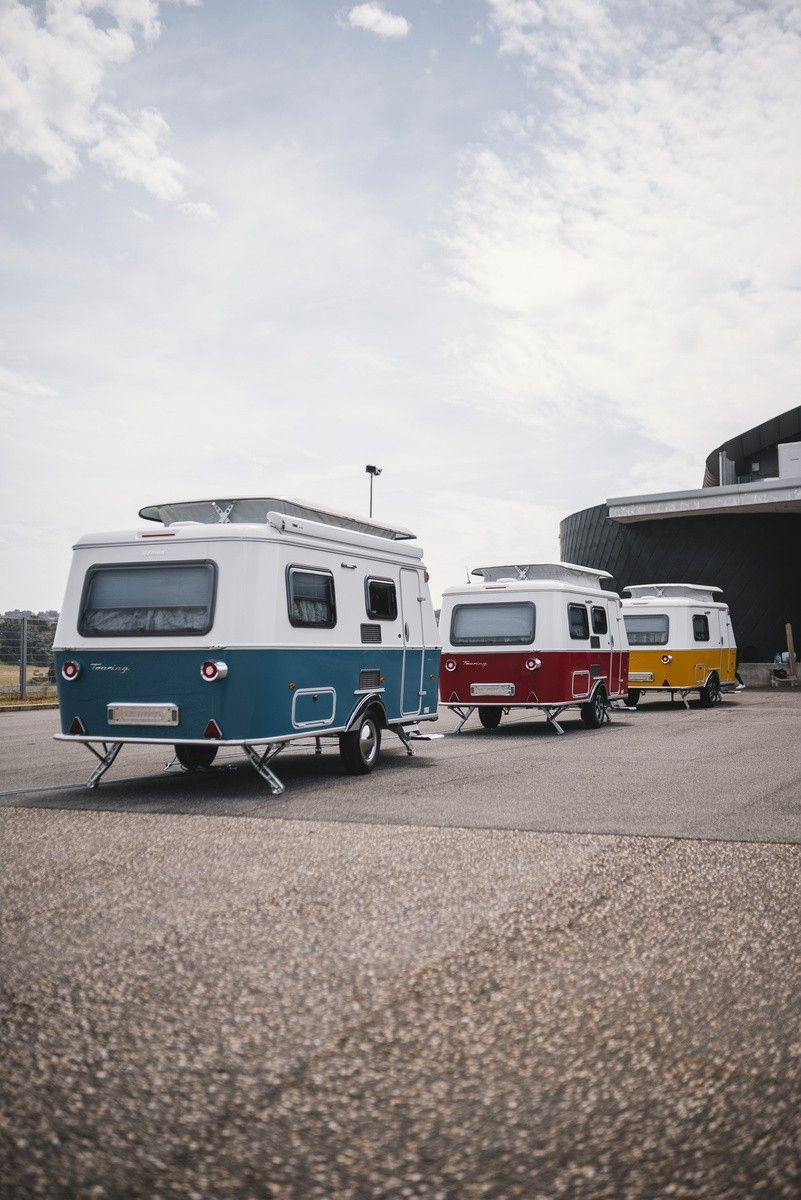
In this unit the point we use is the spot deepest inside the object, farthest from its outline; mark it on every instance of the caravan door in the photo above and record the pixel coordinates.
(413, 642)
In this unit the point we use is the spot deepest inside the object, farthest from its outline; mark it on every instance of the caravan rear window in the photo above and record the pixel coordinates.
(148, 599)
(493, 624)
(647, 629)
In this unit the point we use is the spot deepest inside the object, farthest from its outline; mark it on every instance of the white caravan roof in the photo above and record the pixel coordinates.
(253, 510)
(275, 528)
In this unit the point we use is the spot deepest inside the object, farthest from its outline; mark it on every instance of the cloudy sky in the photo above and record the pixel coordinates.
(523, 254)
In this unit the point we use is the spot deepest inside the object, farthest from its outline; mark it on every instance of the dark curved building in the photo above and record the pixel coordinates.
(741, 531)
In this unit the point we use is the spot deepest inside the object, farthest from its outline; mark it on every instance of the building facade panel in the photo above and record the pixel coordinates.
(754, 558)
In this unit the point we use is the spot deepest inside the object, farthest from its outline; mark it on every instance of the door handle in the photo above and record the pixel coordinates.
(406, 631)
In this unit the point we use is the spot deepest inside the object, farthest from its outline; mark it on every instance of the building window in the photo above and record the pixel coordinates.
(381, 599)
(493, 624)
(148, 599)
(647, 629)
(311, 598)
(599, 624)
(700, 627)
(578, 622)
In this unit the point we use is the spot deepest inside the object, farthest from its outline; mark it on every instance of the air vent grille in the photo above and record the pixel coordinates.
(369, 679)
(371, 634)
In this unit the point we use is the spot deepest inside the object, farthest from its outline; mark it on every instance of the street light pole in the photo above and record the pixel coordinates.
(372, 472)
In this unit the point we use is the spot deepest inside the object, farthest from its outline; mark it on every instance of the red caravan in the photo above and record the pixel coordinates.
(539, 635)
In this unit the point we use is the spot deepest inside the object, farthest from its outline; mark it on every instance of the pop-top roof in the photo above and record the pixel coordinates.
(252, 510)
(674, 591)
(563, 572)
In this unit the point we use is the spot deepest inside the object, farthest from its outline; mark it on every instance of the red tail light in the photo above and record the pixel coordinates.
(212, 730)
(77, 727)
(450, 665)
(213, 670)
(70, 670)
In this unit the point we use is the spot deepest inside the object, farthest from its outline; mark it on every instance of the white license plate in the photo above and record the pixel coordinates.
(142, 714)
(641, 677)
(492, 689)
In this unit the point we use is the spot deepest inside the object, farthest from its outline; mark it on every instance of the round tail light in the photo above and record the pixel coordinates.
(213, 670)
(450, 665)
(70, 670)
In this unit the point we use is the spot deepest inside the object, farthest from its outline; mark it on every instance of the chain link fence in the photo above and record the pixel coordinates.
(27, 669)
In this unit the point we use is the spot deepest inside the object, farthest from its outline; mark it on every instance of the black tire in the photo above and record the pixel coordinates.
(490, 715)
(710, 692)
(593, 712)
(360, 747)
(193, 758)
(633, 698)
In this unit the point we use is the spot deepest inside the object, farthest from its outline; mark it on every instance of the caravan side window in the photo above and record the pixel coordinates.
(578, 622)
(700, 627)
(381, 599)
(310, 595)
(599, 624)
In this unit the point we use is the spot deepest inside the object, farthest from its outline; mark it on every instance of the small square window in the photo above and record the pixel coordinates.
(382, 600)
(311, 598)
(578, 622)
(599, 624)
(700, 628)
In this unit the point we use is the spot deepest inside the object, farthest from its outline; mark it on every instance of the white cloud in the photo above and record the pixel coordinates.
(375, 19)
(197, 211)
(638, 248)
(132, 148)
(17, 386)
(53, 79)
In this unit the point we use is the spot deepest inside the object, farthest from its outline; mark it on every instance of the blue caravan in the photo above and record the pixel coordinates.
(249, 623)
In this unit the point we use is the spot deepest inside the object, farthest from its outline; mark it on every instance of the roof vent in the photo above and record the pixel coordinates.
(562, 572)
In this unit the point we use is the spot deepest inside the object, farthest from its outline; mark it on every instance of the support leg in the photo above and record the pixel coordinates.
(465, 714)
(550, 716)
(686, 701)
(260, 763)
(403, 734)
(104, 761)
(318, 746)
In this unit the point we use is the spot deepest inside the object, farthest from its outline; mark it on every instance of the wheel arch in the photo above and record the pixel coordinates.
(372, 704)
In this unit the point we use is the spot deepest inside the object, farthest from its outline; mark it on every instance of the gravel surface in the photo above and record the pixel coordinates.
(195, 1003)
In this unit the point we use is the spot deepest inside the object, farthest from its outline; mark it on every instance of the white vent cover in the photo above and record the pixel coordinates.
(560, 572)
(698, 592)
(252, 510)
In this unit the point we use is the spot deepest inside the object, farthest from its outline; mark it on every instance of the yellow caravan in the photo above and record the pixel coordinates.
(680, 640)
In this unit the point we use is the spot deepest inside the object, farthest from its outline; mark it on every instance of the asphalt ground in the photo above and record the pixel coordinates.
(513, 966)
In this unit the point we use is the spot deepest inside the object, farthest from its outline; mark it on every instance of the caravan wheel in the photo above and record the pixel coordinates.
(192, 758)
(360, 747)
(592, 713)
(633, 698)
(489, 715)
(710, 693)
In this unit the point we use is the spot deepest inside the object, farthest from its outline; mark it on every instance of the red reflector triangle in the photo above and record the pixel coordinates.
(77, 726)
(212, 730)
(666, 683)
